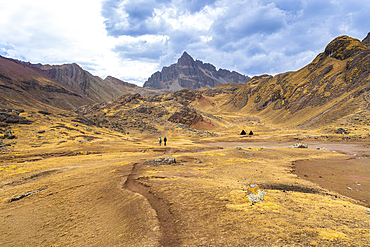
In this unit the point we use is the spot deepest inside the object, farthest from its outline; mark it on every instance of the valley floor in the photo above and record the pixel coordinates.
(93, 189)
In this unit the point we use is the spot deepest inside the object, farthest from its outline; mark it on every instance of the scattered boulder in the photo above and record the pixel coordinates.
(161, 161)
(243, 133)
(299, 145)
(254, 193)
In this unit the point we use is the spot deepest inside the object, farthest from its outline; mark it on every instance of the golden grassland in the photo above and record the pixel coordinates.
(86, 203)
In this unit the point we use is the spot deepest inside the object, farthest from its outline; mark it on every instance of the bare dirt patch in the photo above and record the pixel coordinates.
(347, 176)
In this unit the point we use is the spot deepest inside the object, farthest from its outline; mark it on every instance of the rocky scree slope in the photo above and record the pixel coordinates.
(148, 114)
(187, 73)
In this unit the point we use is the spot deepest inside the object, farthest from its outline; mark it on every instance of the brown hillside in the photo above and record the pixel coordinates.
(23, 86)
(65, 86)
(330, 85)
(82, 82)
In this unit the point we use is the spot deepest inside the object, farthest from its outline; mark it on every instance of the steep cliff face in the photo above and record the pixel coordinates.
(23, 86)
(80, 81)
(192, 74)
(340, 74)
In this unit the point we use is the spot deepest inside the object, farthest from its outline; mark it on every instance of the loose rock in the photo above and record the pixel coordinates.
(161, 161)
(254, 193)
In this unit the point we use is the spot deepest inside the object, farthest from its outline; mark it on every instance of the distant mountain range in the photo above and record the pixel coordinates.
(81, 81)
(63, 86)
(327, 89)
(187, 73)
(68, 86)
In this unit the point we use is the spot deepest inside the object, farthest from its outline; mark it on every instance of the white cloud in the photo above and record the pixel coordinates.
(131, 39)
(58, 32)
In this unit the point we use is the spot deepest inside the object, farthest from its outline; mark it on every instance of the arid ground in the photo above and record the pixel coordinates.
(92, 188)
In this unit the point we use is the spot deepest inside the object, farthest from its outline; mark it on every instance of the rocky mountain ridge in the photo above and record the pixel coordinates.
(23, 86)
(64, 86)
(83, 82)
(192, 74)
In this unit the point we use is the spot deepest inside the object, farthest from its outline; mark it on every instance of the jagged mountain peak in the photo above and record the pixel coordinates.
(185, 59)
(192, 74)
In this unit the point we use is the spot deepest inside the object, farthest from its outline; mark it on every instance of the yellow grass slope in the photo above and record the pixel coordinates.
(331, 87)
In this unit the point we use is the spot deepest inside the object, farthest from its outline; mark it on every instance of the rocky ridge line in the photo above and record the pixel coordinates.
(192, 74)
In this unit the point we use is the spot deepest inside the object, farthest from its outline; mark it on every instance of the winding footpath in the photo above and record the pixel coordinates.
(169, 236)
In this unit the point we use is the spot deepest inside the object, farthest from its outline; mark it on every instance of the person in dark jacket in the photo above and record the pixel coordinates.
(165, 140)
(160, 141)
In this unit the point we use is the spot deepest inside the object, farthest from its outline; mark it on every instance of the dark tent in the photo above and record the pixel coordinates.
(250, 133)
(243, 133)
(341, 131)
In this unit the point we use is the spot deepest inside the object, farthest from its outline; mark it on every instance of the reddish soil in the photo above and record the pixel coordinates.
(339, 175)
(349, 176)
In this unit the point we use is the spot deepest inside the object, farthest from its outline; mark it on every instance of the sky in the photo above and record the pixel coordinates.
(132, 39)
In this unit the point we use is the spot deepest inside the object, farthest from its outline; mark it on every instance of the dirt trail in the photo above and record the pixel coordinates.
(169, 236)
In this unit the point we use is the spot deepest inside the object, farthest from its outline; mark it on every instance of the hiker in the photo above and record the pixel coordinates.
(165, 140)
(160, 141)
